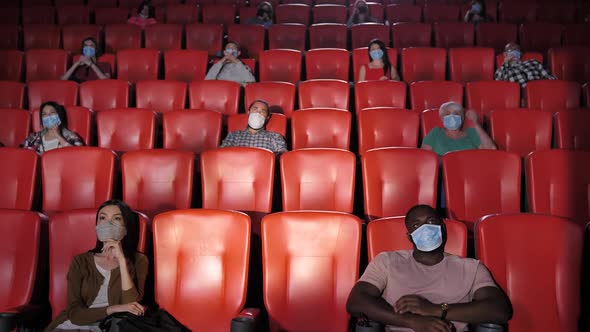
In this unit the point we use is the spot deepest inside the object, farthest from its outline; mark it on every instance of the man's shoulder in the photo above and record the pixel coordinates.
(394, 256)
(463, 261)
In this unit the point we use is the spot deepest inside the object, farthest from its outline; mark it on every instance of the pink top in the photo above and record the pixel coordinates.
(141, 22)
(453, 280)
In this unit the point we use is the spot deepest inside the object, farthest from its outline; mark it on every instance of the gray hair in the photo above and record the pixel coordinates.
(450, 104)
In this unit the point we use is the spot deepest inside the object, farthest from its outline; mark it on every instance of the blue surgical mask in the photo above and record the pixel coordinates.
(376, 54)
(452, 121)
(51, 121)
(88, 51)
(427, 237)
(231, 52)
(514, 53)
(477, 8)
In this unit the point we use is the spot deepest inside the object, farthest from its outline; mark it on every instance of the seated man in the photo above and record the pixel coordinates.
(230, 68)
(426, 289)
(255, 135)
(515, 70)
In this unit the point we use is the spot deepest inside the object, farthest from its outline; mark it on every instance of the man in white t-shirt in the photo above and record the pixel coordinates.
(426, 289)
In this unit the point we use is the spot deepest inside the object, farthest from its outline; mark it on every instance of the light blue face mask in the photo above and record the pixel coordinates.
(514, 54)
(427, 237)
(376, 54)
(88, 51)
(231, 52)
(51, 121)
(476, 8)
(452, 121)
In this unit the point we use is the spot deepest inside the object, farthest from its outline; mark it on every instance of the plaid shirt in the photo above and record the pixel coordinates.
(522, 71)
(35, 140)
(262, 139)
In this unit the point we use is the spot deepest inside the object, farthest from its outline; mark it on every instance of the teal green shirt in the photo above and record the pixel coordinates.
(441, 143)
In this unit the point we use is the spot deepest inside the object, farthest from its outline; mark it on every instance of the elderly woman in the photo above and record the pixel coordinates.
(109, 278)
(87, 68)
(455, 136)
(379, 67)
(55, 133)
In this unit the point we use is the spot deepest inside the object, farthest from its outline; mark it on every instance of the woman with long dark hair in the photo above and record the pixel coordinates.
(109, 278)
(145, 15)
(379, 66)
(88, 68)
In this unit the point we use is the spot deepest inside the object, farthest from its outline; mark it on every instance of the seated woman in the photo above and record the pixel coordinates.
(109, 278)
(230, 67)
(145, 15)
(55, 133)
(379, 66)
(87, 68)
(264, 15)
(477, 12)
(361, 14)
(455, 136)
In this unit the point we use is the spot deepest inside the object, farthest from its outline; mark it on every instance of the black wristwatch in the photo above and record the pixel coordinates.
(445, 308)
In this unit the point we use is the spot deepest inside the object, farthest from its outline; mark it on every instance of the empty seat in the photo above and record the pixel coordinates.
(471, 64)
(64, 3)
(318, 296)
(495, 35)
(12, 94)
(41, 36)
(45, 64)
(321, 128)
(182, 14)
(95, 170)
(219, 14)
(328, 35)
(185, 65)
(552, 95)
(440, 12)
(111, 15)
(121, 37)
(102, 95)
(539, 37)
(328, 63)
(218, 96)
(161, 96)
(143, 186)
(570, 64)
(495, 174)
(129, 3)
(362, 34)
(384, 127)
(238, 178)
(38, 15)
(550, 260)
(187, 248)
(521, 131)
(62, 92)
(33, 3)
(78, 14)
(102, 3)
(204, 37)
(380, 94)
(134, 65)
(194, 131)
(15, 127)
(125, 130)
(432, 94)
(557, 183)
(453, 34)
(10, 15)
(485, 96)
(361, 56)
(164, 37)
(575, 35)
(391, 234)
(423, 64)
(329, 13)
(409, 34)
(570, 130)
(324, 93)
(10, 36)
(293, 13)
(517, 12)
(280, 65)
(18, 174)
(279, 95)
(287, 36)
(250, 38)
(72, 36)
(11, 65)
(396, 13)
(556, 12)
(80, 121)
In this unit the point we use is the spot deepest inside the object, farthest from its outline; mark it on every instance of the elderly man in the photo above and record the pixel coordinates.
(230, 67)
(426, 289)
(255, 134)
(515, 70)
(455, 135)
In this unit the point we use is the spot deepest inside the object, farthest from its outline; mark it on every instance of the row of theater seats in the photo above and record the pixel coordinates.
(300, 11)
(224, 96)
(535, 37)
(476, 182)
(312, 256)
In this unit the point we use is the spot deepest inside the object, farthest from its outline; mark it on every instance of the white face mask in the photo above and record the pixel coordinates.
(256, 120)
(110, 231)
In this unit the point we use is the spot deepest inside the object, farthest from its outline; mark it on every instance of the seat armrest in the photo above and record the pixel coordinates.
(245, 321)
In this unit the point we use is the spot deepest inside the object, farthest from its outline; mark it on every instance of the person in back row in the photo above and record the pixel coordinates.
(477, 13)
(145, 15)
(455, 135)
(264, 15)
(426, 289)
(230, 67)
(255, 135)
(521, 72)
(87, 68)
(361, 13)
(379, 67)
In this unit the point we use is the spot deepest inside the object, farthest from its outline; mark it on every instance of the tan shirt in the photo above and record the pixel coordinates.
(84, 282)
(453, 280)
